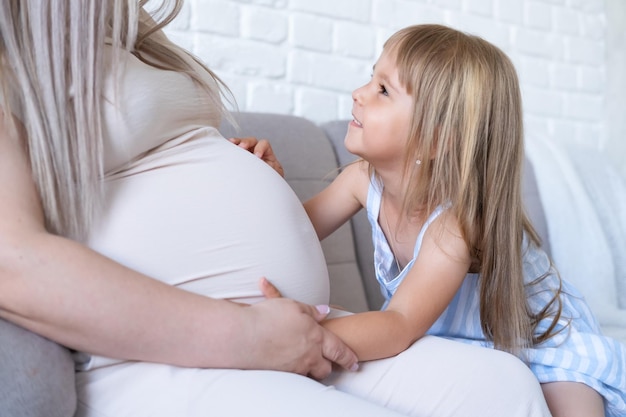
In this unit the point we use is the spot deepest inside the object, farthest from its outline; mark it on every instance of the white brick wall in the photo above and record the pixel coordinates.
(304, 57)
(616, 83)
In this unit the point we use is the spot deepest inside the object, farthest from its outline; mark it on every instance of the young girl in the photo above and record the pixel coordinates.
(439, 133)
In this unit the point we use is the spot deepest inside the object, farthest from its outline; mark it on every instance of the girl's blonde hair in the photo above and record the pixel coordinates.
(52, 69)
(467, 132)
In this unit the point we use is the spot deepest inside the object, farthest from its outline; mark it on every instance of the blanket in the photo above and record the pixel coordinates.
(584, 199)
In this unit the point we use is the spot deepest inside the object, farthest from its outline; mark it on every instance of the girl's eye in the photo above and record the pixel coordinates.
(382, 89)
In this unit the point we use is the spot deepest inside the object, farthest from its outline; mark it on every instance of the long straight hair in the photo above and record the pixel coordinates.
(468, 132)
(52, 69)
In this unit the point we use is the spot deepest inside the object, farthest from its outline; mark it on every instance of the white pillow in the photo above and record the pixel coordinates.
(579, 204)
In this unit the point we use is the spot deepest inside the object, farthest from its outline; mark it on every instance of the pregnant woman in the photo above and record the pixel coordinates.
(128, 225)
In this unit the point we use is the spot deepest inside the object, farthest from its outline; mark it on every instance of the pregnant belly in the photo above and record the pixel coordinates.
(211, 218)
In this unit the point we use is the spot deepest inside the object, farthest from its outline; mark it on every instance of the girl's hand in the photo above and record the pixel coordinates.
(262, 149)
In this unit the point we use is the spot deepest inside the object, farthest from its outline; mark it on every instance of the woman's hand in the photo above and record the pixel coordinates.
(333, 349)
(260, 148)
(289, 337)
(268, 289)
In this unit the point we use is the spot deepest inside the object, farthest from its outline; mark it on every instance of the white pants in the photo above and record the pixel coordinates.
(435, 377)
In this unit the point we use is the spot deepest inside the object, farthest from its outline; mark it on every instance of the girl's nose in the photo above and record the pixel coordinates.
(357, 95)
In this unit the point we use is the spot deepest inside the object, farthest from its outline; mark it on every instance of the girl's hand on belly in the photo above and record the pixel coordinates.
(262, 149)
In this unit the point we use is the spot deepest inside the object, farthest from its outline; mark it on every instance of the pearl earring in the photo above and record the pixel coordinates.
(418, 162)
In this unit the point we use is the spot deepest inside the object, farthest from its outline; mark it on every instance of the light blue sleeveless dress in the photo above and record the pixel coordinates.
(579, 353)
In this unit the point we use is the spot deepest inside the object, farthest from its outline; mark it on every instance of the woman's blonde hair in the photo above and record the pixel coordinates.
(52, 69)
(467, 131)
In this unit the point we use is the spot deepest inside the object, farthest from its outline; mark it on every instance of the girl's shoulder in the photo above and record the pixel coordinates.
(357, 177)
(442, 229)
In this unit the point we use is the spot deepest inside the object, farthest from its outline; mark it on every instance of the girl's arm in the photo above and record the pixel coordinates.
(421, 298)
(341, 200)
(74, 296)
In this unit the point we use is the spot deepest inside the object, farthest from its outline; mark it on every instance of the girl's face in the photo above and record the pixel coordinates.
(382, 112)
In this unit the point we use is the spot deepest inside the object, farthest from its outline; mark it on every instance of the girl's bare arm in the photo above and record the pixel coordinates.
(338, 202)
(429, 287)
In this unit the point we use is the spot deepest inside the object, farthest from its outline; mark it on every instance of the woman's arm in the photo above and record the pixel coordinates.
(72, 295)
(421, 298)
(341, 200)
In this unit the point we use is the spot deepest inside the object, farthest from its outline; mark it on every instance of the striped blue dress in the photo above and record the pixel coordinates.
(579, 353)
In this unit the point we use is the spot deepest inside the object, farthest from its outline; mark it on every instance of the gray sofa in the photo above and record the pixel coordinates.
(36, 375)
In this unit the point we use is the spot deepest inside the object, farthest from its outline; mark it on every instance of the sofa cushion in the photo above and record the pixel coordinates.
(36, 375)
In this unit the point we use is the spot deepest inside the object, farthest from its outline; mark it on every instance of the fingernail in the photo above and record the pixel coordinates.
(355, 366)
(323, 308)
